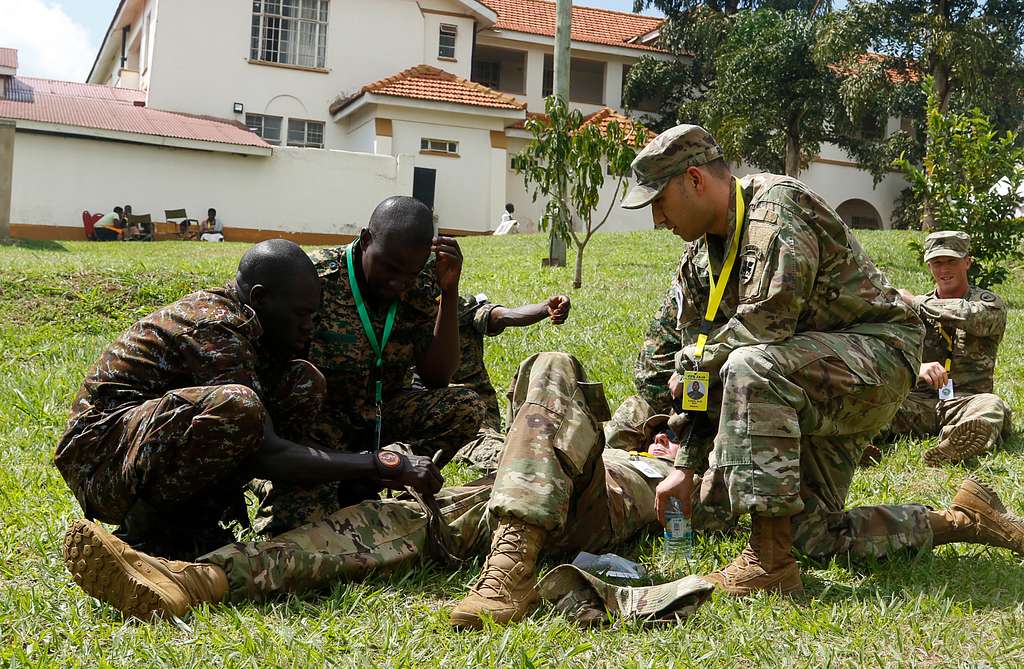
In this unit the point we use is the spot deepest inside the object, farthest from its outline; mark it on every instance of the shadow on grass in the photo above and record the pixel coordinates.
(40, 245)
(986, 578)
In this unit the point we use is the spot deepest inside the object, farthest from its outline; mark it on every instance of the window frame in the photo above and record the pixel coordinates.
(261, 131)
(439, 147)
(306, 143)
(453, 34)
(288, 31)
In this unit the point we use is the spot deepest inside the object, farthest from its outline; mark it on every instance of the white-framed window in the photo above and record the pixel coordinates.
(446, 41)
(308, 134)
(291, 32)
(439, 146)
(267, 127)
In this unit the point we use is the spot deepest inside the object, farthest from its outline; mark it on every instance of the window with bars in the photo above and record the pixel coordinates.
(487, 73)
(446, 41)
(308, 134)
(291, 32)
(439, 146)
(267, 127)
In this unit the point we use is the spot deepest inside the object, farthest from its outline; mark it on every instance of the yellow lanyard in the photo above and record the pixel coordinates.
(718, 288)
(949, 347)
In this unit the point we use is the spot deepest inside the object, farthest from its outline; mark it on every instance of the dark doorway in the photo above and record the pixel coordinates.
(423, 180)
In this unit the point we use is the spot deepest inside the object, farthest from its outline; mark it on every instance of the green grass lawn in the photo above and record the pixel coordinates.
(60, 303)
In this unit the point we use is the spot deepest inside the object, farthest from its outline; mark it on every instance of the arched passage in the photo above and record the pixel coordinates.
(860, 214)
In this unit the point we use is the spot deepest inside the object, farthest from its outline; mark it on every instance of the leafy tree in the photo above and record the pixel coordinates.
(972, 177)
(565, 161)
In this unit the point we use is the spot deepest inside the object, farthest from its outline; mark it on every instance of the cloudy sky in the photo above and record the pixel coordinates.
(58, 39)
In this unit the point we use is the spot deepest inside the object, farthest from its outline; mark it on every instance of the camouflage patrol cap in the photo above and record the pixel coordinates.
(668, 155)
(947, 244)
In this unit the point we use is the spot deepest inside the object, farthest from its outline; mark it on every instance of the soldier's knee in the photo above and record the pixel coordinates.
(238, 406)
(746, 362)
(469, 409)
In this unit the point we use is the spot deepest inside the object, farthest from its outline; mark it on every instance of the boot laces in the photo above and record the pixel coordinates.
(494, 579)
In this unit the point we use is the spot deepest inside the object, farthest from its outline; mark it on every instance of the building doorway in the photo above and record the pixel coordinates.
(424, 180)
(860, 215)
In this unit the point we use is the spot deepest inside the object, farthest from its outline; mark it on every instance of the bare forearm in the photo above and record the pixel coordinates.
(442, 357)
(528, 314)
(288, 462)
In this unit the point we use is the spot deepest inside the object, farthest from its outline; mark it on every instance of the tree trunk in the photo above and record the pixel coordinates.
(941, 88)
(793, 152)
(6, 176)
(577, 281)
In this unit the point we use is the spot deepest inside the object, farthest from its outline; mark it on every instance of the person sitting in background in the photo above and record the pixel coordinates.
(109, 228)
(508, 225)
(131, 231)
(211, 229)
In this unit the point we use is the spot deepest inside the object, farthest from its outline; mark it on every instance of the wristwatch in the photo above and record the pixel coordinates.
(389, 464)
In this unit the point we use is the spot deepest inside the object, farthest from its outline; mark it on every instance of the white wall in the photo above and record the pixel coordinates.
(297, 190)
(201, 66)
(431, 34)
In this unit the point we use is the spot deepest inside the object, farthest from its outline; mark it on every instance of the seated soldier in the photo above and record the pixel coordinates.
(479, 318)
(381, 315)
(963, 328)
(557, 489)
(196, 399)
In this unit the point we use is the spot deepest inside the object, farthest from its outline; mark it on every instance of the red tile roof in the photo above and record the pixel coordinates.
(114, 109)
(605, 116)
(9, 58)
(897, 70)
(425, 82)
(589, 24)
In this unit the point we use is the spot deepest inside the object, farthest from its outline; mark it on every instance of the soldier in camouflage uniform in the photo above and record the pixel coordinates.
(171, 420)
(964, 325)
(809, 353)
(390, 263)
(557, 488)
(479, 318)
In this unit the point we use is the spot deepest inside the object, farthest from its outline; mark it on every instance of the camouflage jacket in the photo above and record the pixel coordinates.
(341, 350)
(799, 269)
(208, 338)
(976, 324)
(657, 359)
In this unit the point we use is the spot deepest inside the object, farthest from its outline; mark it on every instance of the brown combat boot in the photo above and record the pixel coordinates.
(767, 563)
(134, 583)
(507, 589)
(977, 516)
(965, 441)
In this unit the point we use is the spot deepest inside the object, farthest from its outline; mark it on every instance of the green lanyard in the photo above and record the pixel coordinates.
(378, 346)
(718, 287)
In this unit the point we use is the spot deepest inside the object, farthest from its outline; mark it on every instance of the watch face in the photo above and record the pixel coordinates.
(389, 459)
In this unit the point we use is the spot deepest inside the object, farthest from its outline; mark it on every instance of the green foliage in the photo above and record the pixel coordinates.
(565, 162)
(970, 181)
(61, 303)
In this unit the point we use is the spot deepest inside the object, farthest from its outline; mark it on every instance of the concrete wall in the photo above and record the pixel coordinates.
(296, 190)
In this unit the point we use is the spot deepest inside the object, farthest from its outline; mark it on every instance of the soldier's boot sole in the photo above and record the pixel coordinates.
(98, 567)
(746, 580)
(472, 610)
(994, 525)
(965, 441)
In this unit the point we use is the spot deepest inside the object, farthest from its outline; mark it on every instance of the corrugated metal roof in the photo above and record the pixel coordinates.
(8, 58)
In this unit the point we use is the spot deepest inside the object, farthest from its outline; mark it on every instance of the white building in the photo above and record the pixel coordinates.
(351, 100)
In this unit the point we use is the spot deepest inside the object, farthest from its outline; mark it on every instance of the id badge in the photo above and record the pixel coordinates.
(946, 391)
(695, 391)
(641, 464)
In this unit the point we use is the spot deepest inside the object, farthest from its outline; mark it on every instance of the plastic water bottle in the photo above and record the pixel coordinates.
(678, 545)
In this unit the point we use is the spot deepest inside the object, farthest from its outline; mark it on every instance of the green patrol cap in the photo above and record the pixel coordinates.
(668, 155)
(948, 244)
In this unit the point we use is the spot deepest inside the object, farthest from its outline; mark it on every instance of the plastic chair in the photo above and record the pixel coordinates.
(89, 223)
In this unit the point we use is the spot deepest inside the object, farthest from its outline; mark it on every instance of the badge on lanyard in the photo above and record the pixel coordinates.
(946, 391)
(695, 391)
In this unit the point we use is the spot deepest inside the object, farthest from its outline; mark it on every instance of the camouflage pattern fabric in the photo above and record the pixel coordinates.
(624, 430)
(667, 155)
(606, 501)
(484, 450)
(172, 406)
(976, 324)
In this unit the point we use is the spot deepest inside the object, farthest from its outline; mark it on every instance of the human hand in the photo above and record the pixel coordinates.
(419, 473)
(906, 296)
(675, 385)
(934, 374)
(678, 484)
(558, 309)
(449, 263)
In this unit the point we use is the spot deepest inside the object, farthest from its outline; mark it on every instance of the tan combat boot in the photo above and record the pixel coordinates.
(135, 583)
(965, 441)
(767, 563)
(507, 588)
(977, 516)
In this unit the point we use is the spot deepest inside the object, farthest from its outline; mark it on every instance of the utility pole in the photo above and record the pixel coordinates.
(6, 177)
(563, 42)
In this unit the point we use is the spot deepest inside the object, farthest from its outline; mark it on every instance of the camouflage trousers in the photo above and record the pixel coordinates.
(177, 461)
(415, 420)
(484, 450)
(795, 419)
(922, 414)
(554, 473)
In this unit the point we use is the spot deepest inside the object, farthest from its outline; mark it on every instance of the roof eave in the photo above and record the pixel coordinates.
(577, 45)
(106, 38)
(481, 11)
(365, 99)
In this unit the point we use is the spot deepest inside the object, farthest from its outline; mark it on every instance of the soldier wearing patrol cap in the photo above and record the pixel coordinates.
(963, 327)
(807, 352)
